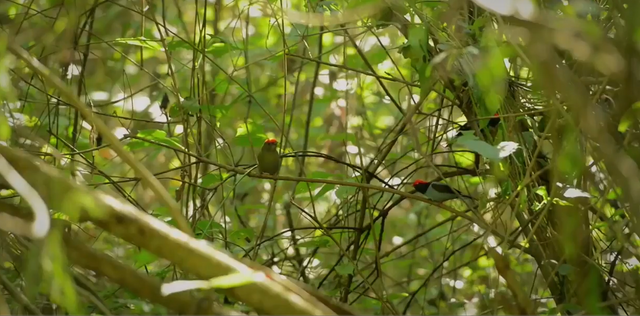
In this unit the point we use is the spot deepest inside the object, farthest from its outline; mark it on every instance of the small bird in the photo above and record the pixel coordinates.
(268, 158)
(439, 192)
(493, 122)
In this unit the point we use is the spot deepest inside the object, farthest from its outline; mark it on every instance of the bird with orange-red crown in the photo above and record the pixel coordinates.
(269, 158)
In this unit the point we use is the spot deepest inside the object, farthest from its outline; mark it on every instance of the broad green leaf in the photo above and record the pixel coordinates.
(614, 194)
(321, 242)
(223, 282)
(250, 134)
(56, 275)
(174, 44)
(207, 225)
(345, 268)
(484, 262)
(474, 180)
(629, 117)
(396, 296)
(255, 140)
(144, 257)
(190, 105)
(5, 129)
(242, 233)
(236, 280)
(212, 178)
(481, 148)
(304, 188)
(218, 46)
(570, 159)
(542, 191)
(324, 190)
(343, 192)
(155, 135)
(140, 41)
(491, 77)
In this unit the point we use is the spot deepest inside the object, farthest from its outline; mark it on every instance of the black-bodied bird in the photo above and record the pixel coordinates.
(440, 192)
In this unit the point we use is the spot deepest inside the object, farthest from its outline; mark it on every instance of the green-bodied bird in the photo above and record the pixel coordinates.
(268, 158)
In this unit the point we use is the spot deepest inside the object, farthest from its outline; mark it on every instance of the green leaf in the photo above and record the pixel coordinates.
(218, 46)
(174, 44)
(155, 135)
(210, 179)
(345, 269)
(474, 180)
(343, 192)
(561, 202)
(243, 233)
(190, 105)
(224, 282)
(208, 225)
(396, 296)
(250, 135)
(481, 148)
(256, 140)
(542, 191)
(161, 211)
(305, 187)
(321, 242)
(614, 194)
(144, 257)
(5, 129)
(232, 280)
(324, 190)
(140, 41)
(56, 275)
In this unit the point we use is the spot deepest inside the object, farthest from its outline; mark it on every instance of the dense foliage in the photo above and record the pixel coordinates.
(131, 130)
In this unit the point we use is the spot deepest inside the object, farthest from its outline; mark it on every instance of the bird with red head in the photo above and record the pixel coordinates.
(269, 158)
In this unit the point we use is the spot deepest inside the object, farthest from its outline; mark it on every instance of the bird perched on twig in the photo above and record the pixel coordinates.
(440, 192)
(269, 158)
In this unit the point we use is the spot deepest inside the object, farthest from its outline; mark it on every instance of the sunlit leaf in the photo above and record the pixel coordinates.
(243, 233)
(321, 242)
(223, 282)
(482, 148)
(140, 41)
(144, 257)
(5, 129)
(56, 273)
(154, 135)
